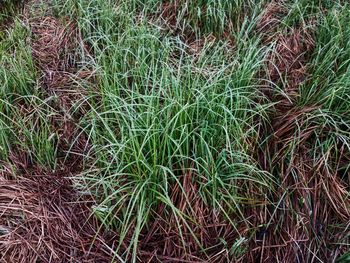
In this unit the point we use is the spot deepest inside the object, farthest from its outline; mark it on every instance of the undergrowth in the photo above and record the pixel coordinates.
(205, 131)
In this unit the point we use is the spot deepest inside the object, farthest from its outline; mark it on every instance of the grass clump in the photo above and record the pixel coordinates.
(24, 115)
(161, 114)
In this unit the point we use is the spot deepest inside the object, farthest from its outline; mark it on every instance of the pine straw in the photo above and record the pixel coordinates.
(270, 19)
(169, 12)
(310, 214)
(54, 46)
(43, 219)
(286, 65)
(311, 210)
(168, 15)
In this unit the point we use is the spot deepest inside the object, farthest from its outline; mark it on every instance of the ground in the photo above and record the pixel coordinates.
(174, 131)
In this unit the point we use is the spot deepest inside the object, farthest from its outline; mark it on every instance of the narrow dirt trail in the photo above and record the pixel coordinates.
(42, 217)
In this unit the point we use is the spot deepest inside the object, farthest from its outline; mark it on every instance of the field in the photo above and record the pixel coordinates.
(174, 131)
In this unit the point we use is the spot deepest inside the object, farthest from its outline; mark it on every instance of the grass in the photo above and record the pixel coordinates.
(203, 131)
(25, 114)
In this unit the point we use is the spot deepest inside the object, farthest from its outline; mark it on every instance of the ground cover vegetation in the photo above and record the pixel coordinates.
(175, 131)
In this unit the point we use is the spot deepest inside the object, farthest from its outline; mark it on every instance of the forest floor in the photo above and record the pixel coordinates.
(174, 131)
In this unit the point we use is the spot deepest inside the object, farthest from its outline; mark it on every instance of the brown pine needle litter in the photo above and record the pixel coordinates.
(43, 219)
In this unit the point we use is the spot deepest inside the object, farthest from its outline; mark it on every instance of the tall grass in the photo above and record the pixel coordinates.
(159, 112)
(328, 86)
(24, 116)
